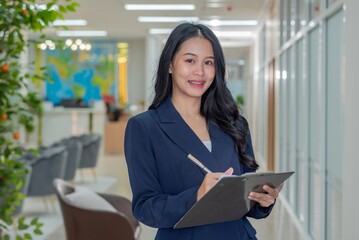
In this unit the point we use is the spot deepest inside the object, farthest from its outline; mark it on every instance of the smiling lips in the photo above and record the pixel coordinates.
(197, 83)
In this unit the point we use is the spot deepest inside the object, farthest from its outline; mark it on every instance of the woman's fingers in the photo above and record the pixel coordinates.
(229, 171)
(266, 199)
(210, 180)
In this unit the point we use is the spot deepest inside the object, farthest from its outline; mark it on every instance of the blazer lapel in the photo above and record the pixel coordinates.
(176, 128)
(181, 134)
(223, 148)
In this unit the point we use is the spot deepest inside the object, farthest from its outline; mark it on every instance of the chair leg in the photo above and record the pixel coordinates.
(72, 183)
(46, 204)
(82, 174)
(94, 174)
(52, 200)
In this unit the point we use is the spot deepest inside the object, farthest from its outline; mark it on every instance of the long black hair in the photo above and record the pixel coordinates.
(217, 104)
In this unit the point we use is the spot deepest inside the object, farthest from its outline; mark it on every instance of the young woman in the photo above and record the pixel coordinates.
(194, 113)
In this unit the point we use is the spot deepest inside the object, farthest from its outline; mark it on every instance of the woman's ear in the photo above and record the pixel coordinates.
(170, 69)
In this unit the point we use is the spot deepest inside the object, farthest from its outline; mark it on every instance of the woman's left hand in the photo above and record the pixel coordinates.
(266, 199)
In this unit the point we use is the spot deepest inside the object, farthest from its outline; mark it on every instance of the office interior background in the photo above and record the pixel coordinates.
(293, 62)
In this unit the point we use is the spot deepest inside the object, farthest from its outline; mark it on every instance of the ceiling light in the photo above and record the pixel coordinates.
(68, 42)
(88, 47)
(235, 44)
(216, 22)
(82, 33)
(78, 41)
(160, 7)
(42, 46)
(160, 30)
(214, 5)
(241, 34)
(167, 19)
(70, 22)
(82, 46)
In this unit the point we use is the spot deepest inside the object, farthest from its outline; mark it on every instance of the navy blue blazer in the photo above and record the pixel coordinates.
(164, 181)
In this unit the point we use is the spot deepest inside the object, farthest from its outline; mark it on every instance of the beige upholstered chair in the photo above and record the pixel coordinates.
(93, 216)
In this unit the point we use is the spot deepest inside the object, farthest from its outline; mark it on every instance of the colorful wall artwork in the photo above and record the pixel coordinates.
(86, 75)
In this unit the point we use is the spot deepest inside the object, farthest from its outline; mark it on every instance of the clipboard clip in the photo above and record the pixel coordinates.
(256, 174)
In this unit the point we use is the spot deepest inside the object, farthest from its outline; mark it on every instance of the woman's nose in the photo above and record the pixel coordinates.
(199, 70)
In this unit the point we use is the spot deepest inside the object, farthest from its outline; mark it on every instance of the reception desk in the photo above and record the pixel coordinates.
(59, 122)
(114, 136)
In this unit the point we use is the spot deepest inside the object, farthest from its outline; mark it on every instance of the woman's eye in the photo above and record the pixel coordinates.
(190, 60)
(209, 62)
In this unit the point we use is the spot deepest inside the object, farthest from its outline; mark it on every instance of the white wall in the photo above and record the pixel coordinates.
(136, 71)
(154, 46)
(351, 121)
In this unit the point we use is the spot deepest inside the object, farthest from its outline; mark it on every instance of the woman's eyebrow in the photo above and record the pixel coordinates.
(195, 55)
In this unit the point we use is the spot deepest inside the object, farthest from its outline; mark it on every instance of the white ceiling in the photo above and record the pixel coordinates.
(121, 24)
(110, 15)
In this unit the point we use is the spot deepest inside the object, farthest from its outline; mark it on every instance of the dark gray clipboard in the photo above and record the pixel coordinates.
(228, 199)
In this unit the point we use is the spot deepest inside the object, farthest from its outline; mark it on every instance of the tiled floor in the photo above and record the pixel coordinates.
(278, 226)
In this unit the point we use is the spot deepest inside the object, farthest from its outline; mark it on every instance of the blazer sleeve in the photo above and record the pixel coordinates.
(151, 205)
(257, 211)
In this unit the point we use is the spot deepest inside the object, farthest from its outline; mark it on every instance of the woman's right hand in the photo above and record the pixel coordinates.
(209, 181)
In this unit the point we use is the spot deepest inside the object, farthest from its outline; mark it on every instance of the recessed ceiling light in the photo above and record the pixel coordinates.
(235, 44)
(82, 33)
(234, 34)
(160, 7)
(214, 5)
(70, 22)
(160, 30)
(216, 22)
(166, 19)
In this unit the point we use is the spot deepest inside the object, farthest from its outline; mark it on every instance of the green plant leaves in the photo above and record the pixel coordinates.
(18, 103)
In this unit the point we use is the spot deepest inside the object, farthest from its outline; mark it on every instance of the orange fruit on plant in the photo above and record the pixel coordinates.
(16, 135)
(5, 68)
(24, 12)
(3, 116)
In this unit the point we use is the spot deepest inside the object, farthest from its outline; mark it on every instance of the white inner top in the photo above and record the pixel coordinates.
(208, 145)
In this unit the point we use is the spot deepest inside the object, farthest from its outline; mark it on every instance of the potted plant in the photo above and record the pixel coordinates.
(18, 103)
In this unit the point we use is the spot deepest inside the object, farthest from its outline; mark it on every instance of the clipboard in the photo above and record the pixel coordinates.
(228, 199)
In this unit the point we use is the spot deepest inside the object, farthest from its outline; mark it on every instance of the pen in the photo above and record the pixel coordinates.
(198, 163)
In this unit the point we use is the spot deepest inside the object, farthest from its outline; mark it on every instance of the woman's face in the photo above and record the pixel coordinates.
(192, 68)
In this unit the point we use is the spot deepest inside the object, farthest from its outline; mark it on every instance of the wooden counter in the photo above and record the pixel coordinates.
(114, 136)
